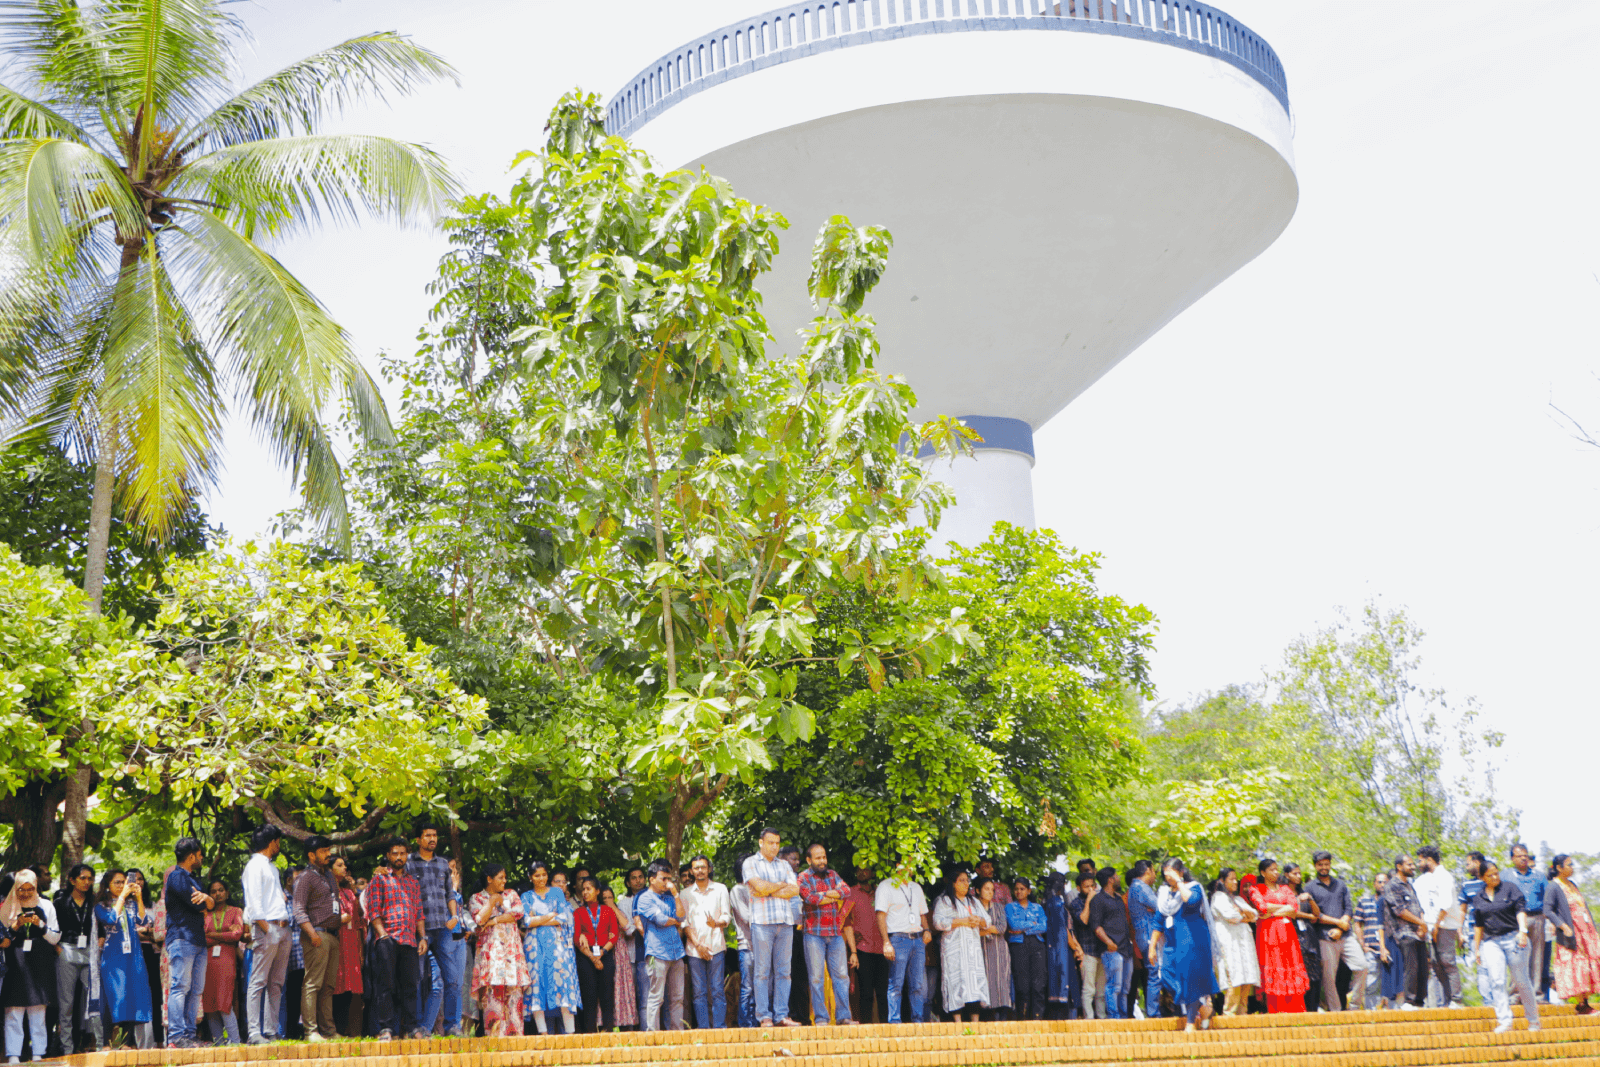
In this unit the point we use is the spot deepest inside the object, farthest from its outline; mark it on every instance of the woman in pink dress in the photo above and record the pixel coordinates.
(624, 1001)
(1283, 975)
(348, 1008)
(500, 971)
(1575, 962)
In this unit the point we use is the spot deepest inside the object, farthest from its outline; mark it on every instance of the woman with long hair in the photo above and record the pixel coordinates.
(500, 968)
(548, 946)
(349, 1007)
(597, 936)
(1283, 971)
(1186, 967)
(224, 929)
(958, 916)
(624, 998)
(1058, 946)
(1238, 972)
(1575, 962)
(125, 997)
(996, 954)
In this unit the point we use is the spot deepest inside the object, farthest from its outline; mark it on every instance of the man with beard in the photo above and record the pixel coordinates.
(394, 907)
(823, 892)
(865, 941)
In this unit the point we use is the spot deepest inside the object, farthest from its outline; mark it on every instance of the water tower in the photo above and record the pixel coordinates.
(1062, 178)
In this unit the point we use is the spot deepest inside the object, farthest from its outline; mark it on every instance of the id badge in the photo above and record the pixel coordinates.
(127, 947)
(1169, 921)
(216, 950)
(27, 944)
(83, 940)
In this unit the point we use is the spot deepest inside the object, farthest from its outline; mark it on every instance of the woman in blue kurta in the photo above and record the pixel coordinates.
(1058, 950)
(126, 987)
(548, 944)
(1186, 964)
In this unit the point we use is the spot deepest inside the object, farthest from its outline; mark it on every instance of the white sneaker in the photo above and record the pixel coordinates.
(315, 1038)
(1408, 1006)
(1503, 1028)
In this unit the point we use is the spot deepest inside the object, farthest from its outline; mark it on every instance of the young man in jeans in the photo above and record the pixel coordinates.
(902, 914)
(394, 907)
(439, 912)
(661, 912)
(186, 902)
(773, 891)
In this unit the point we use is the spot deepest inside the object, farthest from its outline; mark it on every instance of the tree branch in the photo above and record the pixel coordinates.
(285, 820)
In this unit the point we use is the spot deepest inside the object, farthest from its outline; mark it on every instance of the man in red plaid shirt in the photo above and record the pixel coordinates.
(394, 906)
(823, 892)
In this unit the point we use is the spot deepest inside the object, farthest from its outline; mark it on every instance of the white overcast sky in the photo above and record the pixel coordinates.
(1361, 413)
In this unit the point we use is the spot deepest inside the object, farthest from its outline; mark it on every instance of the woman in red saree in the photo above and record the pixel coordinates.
(1283, 974)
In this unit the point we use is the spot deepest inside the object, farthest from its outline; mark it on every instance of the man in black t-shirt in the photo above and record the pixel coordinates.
(1108, 922)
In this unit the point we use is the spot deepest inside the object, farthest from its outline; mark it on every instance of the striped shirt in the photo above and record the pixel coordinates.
(770, 911)
(1371, 929)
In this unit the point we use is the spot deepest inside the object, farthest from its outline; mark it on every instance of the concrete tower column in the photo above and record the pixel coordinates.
(994, 483)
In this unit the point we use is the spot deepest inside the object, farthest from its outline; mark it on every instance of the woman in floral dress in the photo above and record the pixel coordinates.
(624, 998)
(500, 970)
(548, 945)
(1283, 975)
(1575, 962)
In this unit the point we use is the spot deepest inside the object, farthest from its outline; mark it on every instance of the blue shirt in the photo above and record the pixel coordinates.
(186, 920)
(1469, 889)
(656, 910)
(1533, 885)
(434, 878)
(1146, 921)
(1022, 919)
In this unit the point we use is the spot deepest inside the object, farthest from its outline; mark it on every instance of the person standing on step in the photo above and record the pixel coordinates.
(1533, 883)
(595, 926)
(1237, 970)
(635, 881)
(268, 915)
(186, 902)
(1305, 925)
(224, 930)
(866, 954)
(799, 977)
(902, 913)
(1108, 925)
(739, 908)
(959, 917)
(774, 888)
(394, 907)
(1576, 966)
(1500, 945)
(1341, 933)
(74, 906)
(124, 983)
(822, 894)
(1402, 919)
(1283, 972)
(500, 975)
(29, 932)
(1369, 913)
(1436, 889)
(706, 916)
(661, 912)
(316, 913)
(1092, 991)
(1146, 932)
(1026, 926)
(550, 943)
(1187, 921)
(442, 915)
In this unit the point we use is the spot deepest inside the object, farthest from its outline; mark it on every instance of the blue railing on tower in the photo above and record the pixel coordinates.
(812, 26)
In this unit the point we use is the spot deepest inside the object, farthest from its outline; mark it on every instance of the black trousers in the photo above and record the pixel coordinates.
(872, 986)
(1030, 972)
(597, 987)
(396, 970)
(294, 984)
(1415, 955)
(800, 985)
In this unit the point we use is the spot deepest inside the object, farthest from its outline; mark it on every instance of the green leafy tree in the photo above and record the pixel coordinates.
(48, 645)
(280, 686)
(136, 189)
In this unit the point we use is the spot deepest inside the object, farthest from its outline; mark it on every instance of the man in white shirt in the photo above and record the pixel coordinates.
(902, 913)
(1441, 907)
(266, 906)
(773, 887)
(705, 924)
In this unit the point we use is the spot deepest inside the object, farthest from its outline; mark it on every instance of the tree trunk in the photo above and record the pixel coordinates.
(31, 811)
(677, 824)
(99, 542)
(75, 816)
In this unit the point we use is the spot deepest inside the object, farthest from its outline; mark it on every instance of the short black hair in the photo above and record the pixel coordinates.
(711, 868)
(1513, 853)
(490, 870)
(186, 847)
(659, 867)
(1321, 854)
(789, 850)
(1105, 875)
(1086, 862)
(1021, 880)
(264, 837)
(1430, 852)
(1398, 860)
(425, 827)
(1138, 869)
(765, 830)
(1084, 876)
(628, 873)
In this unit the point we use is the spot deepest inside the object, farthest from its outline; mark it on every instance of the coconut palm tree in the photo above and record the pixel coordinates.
(137, 186)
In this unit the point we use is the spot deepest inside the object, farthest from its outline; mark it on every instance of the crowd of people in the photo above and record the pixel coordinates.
(324, 954)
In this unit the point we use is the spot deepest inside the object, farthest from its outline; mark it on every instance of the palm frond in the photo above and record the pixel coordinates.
(299, 97)
(159, 394)
(60, 386)
(287, 356)
(50, 190)
(290, 184)
(55, 44)
(28, 119)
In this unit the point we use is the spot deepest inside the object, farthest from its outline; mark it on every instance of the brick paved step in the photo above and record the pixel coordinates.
(1352, 1039)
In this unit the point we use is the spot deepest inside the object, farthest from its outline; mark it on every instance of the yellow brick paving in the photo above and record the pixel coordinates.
(1353, 1039)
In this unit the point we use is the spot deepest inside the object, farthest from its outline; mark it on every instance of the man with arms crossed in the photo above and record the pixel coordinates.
(1341, 933)
(773, 888)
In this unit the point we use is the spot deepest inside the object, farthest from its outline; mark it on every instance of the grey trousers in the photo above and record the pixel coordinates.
(666, 990)
(1354, 958)
(1444, 964)
(1094, 988)
(1536, 935)
(71, 976)
(269, 965)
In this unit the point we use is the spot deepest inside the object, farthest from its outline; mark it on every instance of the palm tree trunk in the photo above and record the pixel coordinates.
(99, 544)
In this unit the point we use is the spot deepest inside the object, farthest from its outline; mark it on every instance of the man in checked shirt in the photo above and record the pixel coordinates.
(823, 892)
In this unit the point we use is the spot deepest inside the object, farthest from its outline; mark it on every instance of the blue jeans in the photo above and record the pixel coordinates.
(641, 976)
(710, 1000)
(772, 944)
(1152, 988)
(747, 988)
(907, 963)
(447, 952)
(1115, 965)
(829, 950)
(188, 966)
